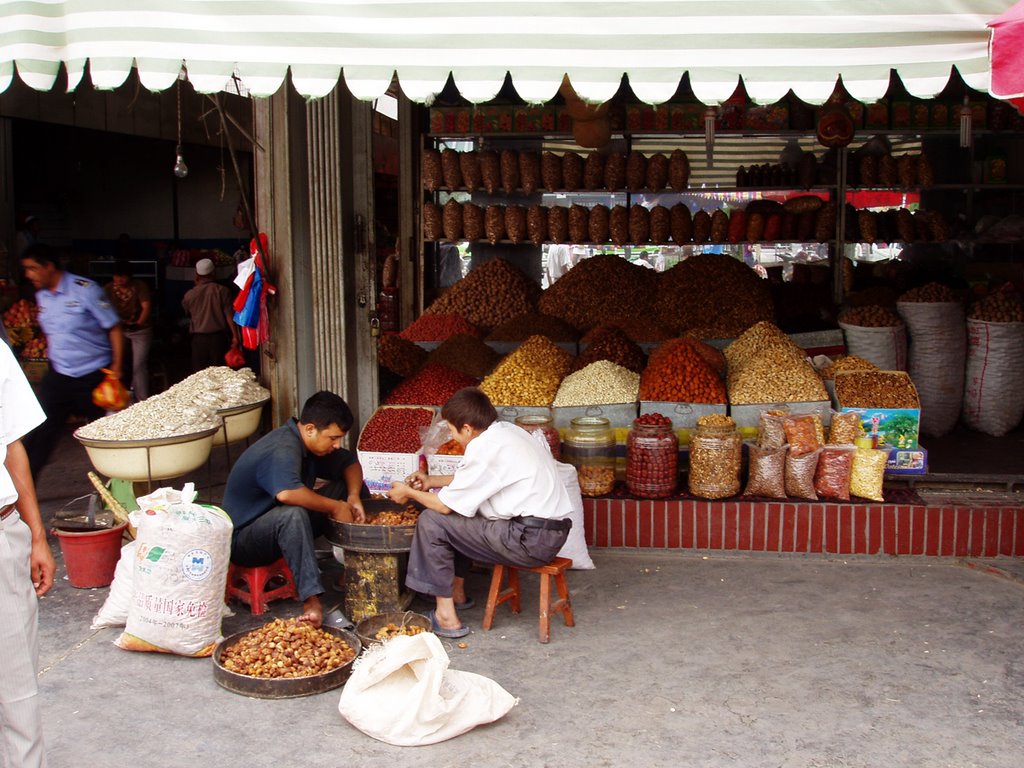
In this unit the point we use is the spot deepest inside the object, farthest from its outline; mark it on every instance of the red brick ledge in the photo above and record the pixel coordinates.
(805, 527)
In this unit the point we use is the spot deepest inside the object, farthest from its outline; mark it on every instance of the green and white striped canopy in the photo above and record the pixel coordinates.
(777, 45)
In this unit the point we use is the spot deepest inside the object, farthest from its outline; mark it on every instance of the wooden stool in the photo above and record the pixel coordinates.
(249, 585)
(498, 595)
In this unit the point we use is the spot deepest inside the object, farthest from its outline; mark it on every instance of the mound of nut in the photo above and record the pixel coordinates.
(528, 376)
(286, 648)
(876, 389)
(391, 630)
(765, 366)
(407, 516)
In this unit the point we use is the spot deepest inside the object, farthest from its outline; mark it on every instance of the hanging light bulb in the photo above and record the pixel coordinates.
(180, 169)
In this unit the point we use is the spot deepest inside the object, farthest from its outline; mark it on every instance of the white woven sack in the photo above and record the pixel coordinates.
(114, 611)
(180, 572)
(402, 692)
(936, 356)
(885, 347)
(993, 388)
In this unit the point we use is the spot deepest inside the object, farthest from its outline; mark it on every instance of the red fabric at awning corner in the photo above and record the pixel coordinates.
(1006, 54)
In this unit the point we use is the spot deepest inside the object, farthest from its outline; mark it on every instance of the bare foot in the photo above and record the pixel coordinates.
(313, 611)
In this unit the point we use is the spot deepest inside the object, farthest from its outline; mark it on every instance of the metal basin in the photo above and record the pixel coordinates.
(283, 688)
(145, 460)
(364, 537)
(240, 422)
(368, 628)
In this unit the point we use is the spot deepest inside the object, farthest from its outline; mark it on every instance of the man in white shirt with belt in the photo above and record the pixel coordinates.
(26, 571)
(505, 504)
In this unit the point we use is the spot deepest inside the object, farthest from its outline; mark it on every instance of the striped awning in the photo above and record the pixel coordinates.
(804, 45)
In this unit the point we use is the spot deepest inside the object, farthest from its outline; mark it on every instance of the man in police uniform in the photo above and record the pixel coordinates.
(83, 336)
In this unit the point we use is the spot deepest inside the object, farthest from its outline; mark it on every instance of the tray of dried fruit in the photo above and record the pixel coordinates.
(388, 528)
(303, 660)
(385, 626)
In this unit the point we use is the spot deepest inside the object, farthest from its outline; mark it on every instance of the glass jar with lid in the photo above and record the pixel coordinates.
(716, 454)
(590, 447)
(652, 457)
(536, 422)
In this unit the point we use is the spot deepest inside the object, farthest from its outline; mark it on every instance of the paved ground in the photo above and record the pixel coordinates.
(676, 659)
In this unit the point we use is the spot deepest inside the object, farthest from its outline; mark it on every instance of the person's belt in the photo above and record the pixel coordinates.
(540, 522)
(6, 511)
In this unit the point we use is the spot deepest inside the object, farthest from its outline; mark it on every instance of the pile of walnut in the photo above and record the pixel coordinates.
(998, 308)
(286, 648)
(407, 516)
(391, 630)
(876, 389)
(765, 366)
(846, 364)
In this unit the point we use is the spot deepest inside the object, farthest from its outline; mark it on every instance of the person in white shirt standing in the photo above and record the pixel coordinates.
(26, 571)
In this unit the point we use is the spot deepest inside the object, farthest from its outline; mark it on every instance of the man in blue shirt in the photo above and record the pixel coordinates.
(83, 337)
(271, 500)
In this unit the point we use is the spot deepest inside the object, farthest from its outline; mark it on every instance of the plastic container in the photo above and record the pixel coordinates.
(716, 457)
(589, 446)
(652, 458)
(91, 556)
(546, 426)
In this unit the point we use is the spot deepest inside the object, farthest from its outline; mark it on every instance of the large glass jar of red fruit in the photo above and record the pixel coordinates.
(652, 457)
(535, 422)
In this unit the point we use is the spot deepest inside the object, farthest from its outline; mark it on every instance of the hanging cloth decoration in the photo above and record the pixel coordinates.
(251, 302)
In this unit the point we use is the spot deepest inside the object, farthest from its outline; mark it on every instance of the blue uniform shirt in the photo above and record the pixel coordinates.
(76, 319)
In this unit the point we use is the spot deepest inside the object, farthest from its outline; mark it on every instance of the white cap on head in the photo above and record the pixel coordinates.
(204, 267)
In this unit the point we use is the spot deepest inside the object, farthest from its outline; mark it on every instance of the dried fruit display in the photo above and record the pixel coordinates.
(451, 169)
(490, 294)
(452, 220)
(678, 169)
(681, 223)
(395, 429)
(431, 169)
(618, 224)
(998, 308)
(593, 171)
(765, 366)
(931, 292)
(636, 171)
(522, 327)
(490, 170)
(528, 376)
(716, 455)
(660, 225)
(871, 316)
(676, 372)
(438, 328)
(572, 171)
(845, 364)
(529, 171)
(579, 227)
(399, 355)
(598, 224)
(405, 516)
(469, 164)
(433, 384)
(509, 161)
(600, 383)
(433, 228)
(515, 223)
(467, 354)
(391, 630)
(551, 171)
(657, 172)
(537, 224)
(494, 223)
(711, 291)
(602, 290)
(609, 342)
(615, 171)
(286, 648)
(876, 389)
(472, 221)
(558, 224)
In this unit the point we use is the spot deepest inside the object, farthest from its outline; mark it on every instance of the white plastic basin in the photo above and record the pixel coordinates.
(144, 460)
(240, 422)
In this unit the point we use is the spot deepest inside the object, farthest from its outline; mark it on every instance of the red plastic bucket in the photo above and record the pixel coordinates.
(91, 556)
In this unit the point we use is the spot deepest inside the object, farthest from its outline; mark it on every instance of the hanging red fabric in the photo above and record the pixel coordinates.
(251, 302)
(1006, 56)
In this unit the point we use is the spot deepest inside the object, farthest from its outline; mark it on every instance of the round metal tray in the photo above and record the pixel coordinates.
(240, 422)
(283, 688)
(367, 628)
(364, 537)
(144, 460)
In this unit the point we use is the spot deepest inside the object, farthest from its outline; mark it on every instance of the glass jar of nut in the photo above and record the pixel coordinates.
(716, 454)
(589, 445)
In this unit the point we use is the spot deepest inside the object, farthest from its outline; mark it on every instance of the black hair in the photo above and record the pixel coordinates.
(123, 267)
(326, 408)
(469, 406)
(42, 254)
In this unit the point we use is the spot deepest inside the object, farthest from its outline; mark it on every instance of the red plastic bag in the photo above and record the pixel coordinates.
(110, 394)
(234, 358)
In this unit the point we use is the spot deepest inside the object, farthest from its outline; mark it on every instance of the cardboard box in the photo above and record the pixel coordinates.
(442, 464)
(907, 462)
(890, 427)
(381, 469)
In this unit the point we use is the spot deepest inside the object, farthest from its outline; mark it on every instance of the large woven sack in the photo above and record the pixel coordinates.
(936, 355)
(993, 393)
(885, 347)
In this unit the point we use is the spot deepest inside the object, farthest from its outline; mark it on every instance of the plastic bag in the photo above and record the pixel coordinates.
(110, 394)
(801, 434)
(771, 433)
(767, 472)
(868, 473)
(832, 475)
(181, 568)
(403, 692)
(845, 428)
(234, 358)
(434, 436)
(800, 474)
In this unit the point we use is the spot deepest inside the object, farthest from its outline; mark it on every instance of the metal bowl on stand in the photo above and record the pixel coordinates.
(148, 460)
(282, 687)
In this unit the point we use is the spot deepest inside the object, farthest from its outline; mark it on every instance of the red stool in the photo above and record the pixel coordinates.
(497, 595)
(253, 587)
